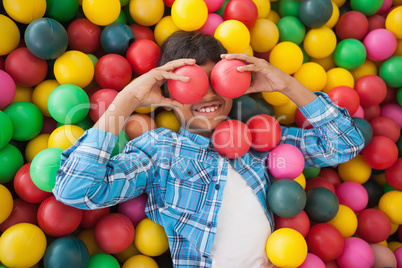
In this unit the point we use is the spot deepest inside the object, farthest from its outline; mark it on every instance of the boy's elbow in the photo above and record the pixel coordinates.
(350, 147)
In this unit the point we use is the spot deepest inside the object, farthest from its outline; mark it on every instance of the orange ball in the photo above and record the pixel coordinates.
(138, 124)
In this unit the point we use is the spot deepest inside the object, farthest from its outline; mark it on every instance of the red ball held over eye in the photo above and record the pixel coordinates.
(192, 91)
(227, 81)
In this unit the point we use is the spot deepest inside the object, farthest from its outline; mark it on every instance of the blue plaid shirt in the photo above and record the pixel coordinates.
(185, 177)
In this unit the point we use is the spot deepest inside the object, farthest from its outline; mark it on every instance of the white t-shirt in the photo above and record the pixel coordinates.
(242, 228)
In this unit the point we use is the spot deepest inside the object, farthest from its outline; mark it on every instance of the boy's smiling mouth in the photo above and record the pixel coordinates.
(208, 108)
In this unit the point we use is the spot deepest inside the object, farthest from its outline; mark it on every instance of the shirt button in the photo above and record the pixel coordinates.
(204, 256)
(217, 187)
(209, 224)
(189, 172)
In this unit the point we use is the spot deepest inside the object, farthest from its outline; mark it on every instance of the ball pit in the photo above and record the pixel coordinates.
(70, 251)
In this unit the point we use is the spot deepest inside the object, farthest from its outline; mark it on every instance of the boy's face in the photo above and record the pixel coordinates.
(204, 116)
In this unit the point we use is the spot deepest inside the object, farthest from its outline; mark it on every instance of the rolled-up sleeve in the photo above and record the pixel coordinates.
(333, 139)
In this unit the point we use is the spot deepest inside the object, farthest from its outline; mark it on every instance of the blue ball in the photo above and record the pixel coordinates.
(116, 38)
(66, 252)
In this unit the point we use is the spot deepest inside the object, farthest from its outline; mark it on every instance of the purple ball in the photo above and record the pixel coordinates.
(134, 208)
(356, 253)
(380, 44)
(353, 195)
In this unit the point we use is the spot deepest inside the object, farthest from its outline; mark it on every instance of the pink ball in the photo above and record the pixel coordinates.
(383, 256)
(7, 89)
(213, 21)
(356, 253)
(134, 208)
(380, 44)
(213, 5)
(398, 256)
(353, 195)
(285, 161)
(312, 261)
(359, 112)
(393, 111)
(386, 5)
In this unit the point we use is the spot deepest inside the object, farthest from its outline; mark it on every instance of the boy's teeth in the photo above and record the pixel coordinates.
(208, 109)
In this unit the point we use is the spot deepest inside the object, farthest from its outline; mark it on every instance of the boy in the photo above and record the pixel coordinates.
(213, 209)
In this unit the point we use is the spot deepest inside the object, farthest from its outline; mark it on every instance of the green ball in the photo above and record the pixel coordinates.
(61, 11)
(93, 58)
(286, 198)
(44, 168)
(311, 172)
(289, 8)
(26, 118)
(85, 124)
(264, 107)
(243, 108)
(11, 160)
(6, 129)
(121, 142)
(306, 57)
(124, 2)
(291, 29)
(390, 71)
(388, 188)
(322, 204)
(350, 54)
(68, 104)
(367, 7)
(399, 96)
(221, 10)
(122, 18)
(103, 260)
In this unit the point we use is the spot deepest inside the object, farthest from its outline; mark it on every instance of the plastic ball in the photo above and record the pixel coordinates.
(393, 22)
(41, 94)
(374, 191)
(352, 24)
(390, 204)
(380, 153)
(393, 175)
(113, 71)
(367, 7)
(385, 126)
(137, 124)
(143, 55)
(300, 223)
(312, 261)
(146, 13)
(22, 212)
(345, 221)
(350, 54)
(91, 217)
(286, 247)
(192, 91)
(356, 170)
(367, 68)
(286, 56)
(380, 44)
(286, 198)
(333, 20)
(6, 203)
(325, 241)
(25, 12)
(150, 238)
(11, 160)
(286, 113)
(226, 80)
(393, 111)
(100, 101)
(66, 252)
(212, 5)
(275, 98)
(167, 119)
(140, 261)
(331, 175)
(165, 27)
(315, 13)
(353, 195)
(65, 136)
(61, 11)
(6, 131)
(7, 89)
(263, 7)
(322, 204)
(311, 75)
(10, 35)
(25, 188)
(68, 104)
(319, 182)
(233, 35)
(244, 107)
(116, 38)
(373, 225)
(356, 253)
(319, 42)
(291, 29)
(338, 77)
(83, 35)
(44, 168)
(389, 71)
(244, 11)
(101, 12)
(232, 138)
(285, 161)
(346, 97)
(289, 8)
(265, 132)
(371, 89)
(88, 237)
(134, 208)
(22, 245)
(383, 256)
(189, 15)
(103, 260)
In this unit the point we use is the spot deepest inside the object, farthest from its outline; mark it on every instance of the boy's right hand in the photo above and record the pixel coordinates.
(145, 90)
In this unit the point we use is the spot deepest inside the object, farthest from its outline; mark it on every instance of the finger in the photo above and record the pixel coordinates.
(174, 64)
(168, 102)
(173, 76)
(243, 57)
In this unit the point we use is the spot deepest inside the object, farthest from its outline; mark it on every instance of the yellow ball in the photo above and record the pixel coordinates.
(22, 94)
(286, 247)
(263, 7)
(167, 119)
(145, 110)
(398, 50)
(36, 145)
(338, 77)
(380, 179)
(140, 261)
(327, 63)
(147, 12)
(233, 35)
(74, 67)
(249, 51)
(312, 75)
(6, 204)
(285, 114)
(122, 257)
(88, 237)
(339, 3)
(301, 179)
(275, 98)
(22, 245)
(345, 221)
(189, 15)
(150, 238)
(101, 12)
(163, 29)
(9, 34)
(334, 17)
(394, 228)
(287, 56)
(65, 136)
(25, 11)
(273, 16)
(384, 243)
(391, 204)
(393, 22)
(367, 68)
(393, 245)
(264, 35)
(41, 93)
(320, 42)
(356, 169)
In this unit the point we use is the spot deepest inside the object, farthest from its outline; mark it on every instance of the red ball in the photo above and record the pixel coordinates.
(143, 55)
(142, 32)
(83, 35)
(26, 189)
(300, 223)
(301, 121)
(227, 81)
(2, 63)
(371, 89)
(57, 219)
(49, 124)
(373, 225)
(232, 138)
(319, 182)
(385, 126)
(380, 153)
(192, 91)
(325, 241)
(22, 212)
(390, 97)
(331, 175)
(244, 11)
(346, 97)
(91, 217)
(114, 233)
(265, 131)
(134, 208)
(26, 69)
(371, 112)
(168, 3)
(376, 22)
(393, 175)
(113, 71)
(100, 101)
(352, 24)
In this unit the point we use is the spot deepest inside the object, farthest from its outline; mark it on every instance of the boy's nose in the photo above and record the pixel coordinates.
(211, 92)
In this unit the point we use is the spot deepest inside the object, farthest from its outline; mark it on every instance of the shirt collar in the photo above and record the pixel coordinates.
(204, 142)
